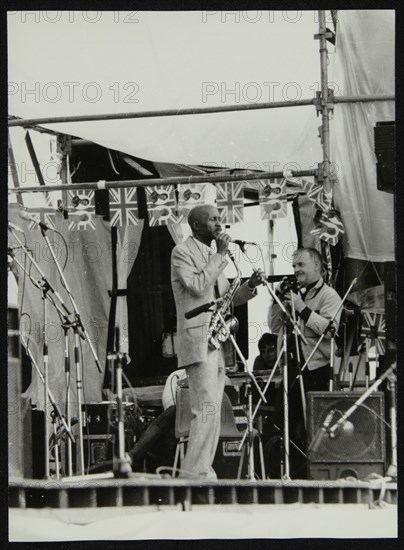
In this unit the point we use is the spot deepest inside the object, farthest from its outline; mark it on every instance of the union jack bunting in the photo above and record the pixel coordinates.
(81, 209)
(315, 193)
(123, 207)
(230, 201)
(329, 227)
(374, 328)
(45, 214)
(272, 199)
(190, 195)
(161, 205)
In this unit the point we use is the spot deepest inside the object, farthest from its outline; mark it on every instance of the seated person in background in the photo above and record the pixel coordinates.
(160, 434)
(162, 426)
(267, 348)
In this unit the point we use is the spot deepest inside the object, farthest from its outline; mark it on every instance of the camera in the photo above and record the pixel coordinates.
(289, 283)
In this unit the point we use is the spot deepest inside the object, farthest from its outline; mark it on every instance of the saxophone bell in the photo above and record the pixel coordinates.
(230, 327)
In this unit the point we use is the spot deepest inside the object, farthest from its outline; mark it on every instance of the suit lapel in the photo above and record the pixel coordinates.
(196, 252)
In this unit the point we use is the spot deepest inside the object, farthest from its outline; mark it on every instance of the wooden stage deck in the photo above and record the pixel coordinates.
(147, 490)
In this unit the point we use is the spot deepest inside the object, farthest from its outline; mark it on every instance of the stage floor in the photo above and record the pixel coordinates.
(99, 490)
(250, 521)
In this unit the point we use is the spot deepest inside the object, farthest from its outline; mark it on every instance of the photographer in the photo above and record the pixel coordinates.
(315, 303)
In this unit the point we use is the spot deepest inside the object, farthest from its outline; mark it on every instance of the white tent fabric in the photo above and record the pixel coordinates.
(363, 65)
(170, 60)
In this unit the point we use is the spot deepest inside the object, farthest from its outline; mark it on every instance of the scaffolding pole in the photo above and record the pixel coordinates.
(325, 105)
(27, 122)
(172, 180)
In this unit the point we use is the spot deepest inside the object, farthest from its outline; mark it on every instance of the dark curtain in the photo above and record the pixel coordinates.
(151, 305)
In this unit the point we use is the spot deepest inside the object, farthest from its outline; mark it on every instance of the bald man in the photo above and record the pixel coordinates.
(197, 278)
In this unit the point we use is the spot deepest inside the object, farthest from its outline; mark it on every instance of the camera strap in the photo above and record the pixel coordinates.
(309, 288)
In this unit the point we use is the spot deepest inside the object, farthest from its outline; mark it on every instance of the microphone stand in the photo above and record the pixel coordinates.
(45, 287)
(122, 467)
(354, 375)
(287, 318)
(45, 359)
(77, 355)
(66, 327)
(50, 395)
(264, 281)
(332, 431)
(332, 348)
(299, 364)
(79, 323)
(264, 391)
(392, 469)
(78, 328)
(38, 284)
(286, 313)
(286, 474)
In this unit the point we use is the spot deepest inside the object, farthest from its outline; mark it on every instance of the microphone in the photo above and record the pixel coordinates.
(30, 218)
(15, 227)
(318, 438)
(200, 309)
(241, 244)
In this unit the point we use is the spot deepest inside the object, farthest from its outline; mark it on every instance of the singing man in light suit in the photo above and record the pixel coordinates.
(197, 278)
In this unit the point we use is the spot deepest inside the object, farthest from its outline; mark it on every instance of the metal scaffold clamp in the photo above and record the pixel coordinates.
(320, 102)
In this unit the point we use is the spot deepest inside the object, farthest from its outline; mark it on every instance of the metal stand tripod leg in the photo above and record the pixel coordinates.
(46, 387)
(251, 465)
(392, 469)
(56, 446)
(250, 430)
(249, 437)
(79, 386)
(332, 351)
(299, 364)
(122, 464)
(285, 405)
(68, 411)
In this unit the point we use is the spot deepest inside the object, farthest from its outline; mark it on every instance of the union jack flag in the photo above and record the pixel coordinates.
(329, 227)
(315, 193)
(81, 209)
(374, 328)
(45, 214)
(161, 205)
(123, 207)
(190, 195)
(272, 198)
(230, 201)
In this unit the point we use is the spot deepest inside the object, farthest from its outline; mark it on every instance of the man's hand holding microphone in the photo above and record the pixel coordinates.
(222, 245)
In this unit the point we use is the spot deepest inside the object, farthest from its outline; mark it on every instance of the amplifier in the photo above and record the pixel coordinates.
(385, 148)
(358, 447)
(100, 428)
(102, 418)
(98, 452)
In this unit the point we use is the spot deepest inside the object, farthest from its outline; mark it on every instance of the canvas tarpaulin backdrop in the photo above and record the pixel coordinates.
(141, 65)
(87, 269)
(363, 65)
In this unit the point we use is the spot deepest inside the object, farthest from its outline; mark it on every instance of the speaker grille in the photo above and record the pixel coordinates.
(360, 439)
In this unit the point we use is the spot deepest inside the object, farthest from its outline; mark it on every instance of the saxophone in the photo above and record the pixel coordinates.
(220, 329)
